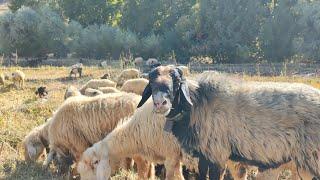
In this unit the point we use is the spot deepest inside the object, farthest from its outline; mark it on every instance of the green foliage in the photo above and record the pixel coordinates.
(229, 31)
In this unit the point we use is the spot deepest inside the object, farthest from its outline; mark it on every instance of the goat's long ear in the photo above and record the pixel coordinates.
(145, 95)
(185, 91)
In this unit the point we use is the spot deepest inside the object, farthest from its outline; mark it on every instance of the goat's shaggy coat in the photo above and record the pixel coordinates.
(135, 85)
(262, 124)
(96, 83)
(36, 141)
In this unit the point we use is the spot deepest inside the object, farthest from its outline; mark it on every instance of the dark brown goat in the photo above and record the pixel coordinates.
(261, 124)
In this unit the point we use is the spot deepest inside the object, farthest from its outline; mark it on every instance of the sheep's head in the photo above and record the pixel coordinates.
(33, 147)
(92, 166)
(169, 91)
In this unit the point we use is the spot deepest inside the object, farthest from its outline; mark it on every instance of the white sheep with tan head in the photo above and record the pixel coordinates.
(126, 75)
(96, 83)
(135, 85)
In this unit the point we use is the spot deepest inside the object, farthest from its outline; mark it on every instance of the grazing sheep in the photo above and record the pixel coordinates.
(2, 79)
(71, 91)
(36, 141)
(151, 61)
(135, 85)
(126, 75)
(96, 83)
(18, 77)
(185, 70)
(104, 64)
(41, 92)
(141, 135)
(81, 121)
(92, 92)
(76, 69)
(107, 90)
(138, 61)
(260, 124)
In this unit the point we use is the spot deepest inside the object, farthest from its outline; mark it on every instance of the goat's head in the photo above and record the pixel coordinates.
(169, 90)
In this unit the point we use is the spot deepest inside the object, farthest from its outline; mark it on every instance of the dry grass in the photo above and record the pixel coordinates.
(21, 111)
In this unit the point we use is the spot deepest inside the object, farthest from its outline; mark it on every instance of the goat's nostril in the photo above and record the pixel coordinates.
(164, 102)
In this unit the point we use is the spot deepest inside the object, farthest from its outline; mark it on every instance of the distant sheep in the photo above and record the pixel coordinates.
(18, 78)
(126, 75)
(76, 69)
(71, 91)
(135, 85)
(81, 121)
(96, 83)
(138, 61)
(259, 124)
(2, 79)
(151, 61)
(36, 142)
(92, 92)
(107, 90)
(104, 64)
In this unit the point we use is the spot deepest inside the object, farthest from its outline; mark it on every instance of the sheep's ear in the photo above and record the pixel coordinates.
(145, 95)
(185, 91)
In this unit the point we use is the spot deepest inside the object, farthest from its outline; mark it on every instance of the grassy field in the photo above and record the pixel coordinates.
(21, 111)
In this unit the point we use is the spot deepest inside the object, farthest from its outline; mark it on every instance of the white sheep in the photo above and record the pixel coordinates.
(151, 61)
(92, 92)
(96, 83)
(107, 90)
(138, 61)
(81, 121)
(18, 77)
(36, 141)
(143, 134)
(71, 91)
(135, 85)
(126, 75)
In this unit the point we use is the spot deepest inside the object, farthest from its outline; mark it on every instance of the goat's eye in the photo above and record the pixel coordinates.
(96, 162)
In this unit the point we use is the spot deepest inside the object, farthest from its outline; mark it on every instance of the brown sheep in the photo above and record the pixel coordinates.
(260, 124)
(135, 85)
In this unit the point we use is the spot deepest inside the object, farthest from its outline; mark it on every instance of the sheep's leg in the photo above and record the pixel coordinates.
(173, 170)
(142, 167)
(203, 167)
(49, 158)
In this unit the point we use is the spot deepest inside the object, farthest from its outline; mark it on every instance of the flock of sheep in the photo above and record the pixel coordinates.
(210, 124)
